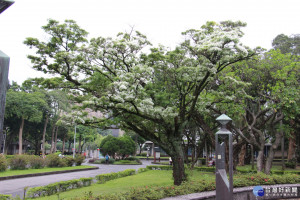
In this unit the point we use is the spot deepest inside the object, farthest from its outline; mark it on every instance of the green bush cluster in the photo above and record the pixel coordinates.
(5, 197)
(58, 187)
(292, 163)
(205, 169)
(102, 161)
(140, 170)
(142, 154)
(79, 159)
(68, 160)
(73, 184)
(53, 160)
(243, 180)
(247, 171)
(161, 167)
(18, 162)
(102, 178)
(155, 192)
(3, 163)
(36, 162)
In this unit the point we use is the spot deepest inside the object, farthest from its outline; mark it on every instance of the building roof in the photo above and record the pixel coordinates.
(4, 4)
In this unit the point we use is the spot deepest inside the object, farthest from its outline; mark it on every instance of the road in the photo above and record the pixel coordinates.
(16, 186)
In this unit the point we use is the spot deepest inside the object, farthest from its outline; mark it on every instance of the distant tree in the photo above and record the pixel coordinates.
(127, 146)
(137, 139)
(25, 107)
(287, 44)
(110, 145)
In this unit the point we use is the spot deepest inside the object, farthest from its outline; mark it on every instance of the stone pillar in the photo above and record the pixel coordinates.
(4, 66)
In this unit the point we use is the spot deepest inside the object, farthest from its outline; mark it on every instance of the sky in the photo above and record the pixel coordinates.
(162, 21)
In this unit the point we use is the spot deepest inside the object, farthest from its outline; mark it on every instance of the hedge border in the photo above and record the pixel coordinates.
(63, 186)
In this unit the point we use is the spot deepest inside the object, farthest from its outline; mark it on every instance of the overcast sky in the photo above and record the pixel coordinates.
(161, 20)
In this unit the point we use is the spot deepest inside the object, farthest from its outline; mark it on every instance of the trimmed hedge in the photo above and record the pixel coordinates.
(58, 187)
(5, 197)
(156, 192)
(102, 178)
(160, 167)
(279, 172)
(76, 183)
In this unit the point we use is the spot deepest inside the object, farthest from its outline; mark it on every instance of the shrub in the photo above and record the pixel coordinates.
(55, 188)
(292, 163)
(161, 167)
(102, 161)
(36, 162)
(69, 161)
(86, 181)
(102, 178)
(18, 162)
(53, 160)
(79, 159)
(143, 154)
(134, 159)
(3, 163)
(5, 197)
(140, 170)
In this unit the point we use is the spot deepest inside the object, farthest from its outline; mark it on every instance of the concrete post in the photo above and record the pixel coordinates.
(4, 67)
(224, 187)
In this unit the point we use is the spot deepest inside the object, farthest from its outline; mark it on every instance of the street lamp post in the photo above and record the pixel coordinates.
(224, 187)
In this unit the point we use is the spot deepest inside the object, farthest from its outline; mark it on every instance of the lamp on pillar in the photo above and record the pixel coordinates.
(224, 187)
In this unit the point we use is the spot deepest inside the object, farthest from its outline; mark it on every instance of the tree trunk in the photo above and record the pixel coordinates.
(252, 157)
(44, 135)
(178, 163)
(63, 145)
(242, 155)
(69, 148)
(55, 141)
(260, 160)
(52, 138)
(20, 136)
(206, 152)
(79, 145)
(278, 137)
(269, 161)
(292, 146)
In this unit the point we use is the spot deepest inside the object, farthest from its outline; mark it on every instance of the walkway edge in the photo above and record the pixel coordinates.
(208, 195)
(45, 173)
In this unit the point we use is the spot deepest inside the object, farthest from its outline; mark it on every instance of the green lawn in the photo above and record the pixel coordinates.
(34, 171)
(149, 178)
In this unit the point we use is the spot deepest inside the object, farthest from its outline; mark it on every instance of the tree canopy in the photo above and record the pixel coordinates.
(152, 91)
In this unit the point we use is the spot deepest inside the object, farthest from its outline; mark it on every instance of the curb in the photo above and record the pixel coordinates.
(239, 193)
(45, 173)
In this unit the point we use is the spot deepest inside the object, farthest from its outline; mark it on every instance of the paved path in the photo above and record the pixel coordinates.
(16, 186)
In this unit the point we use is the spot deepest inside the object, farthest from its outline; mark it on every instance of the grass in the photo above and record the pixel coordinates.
(149, 178)
(35, 171)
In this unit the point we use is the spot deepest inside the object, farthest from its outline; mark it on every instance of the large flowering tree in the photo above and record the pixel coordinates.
(154, 92)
